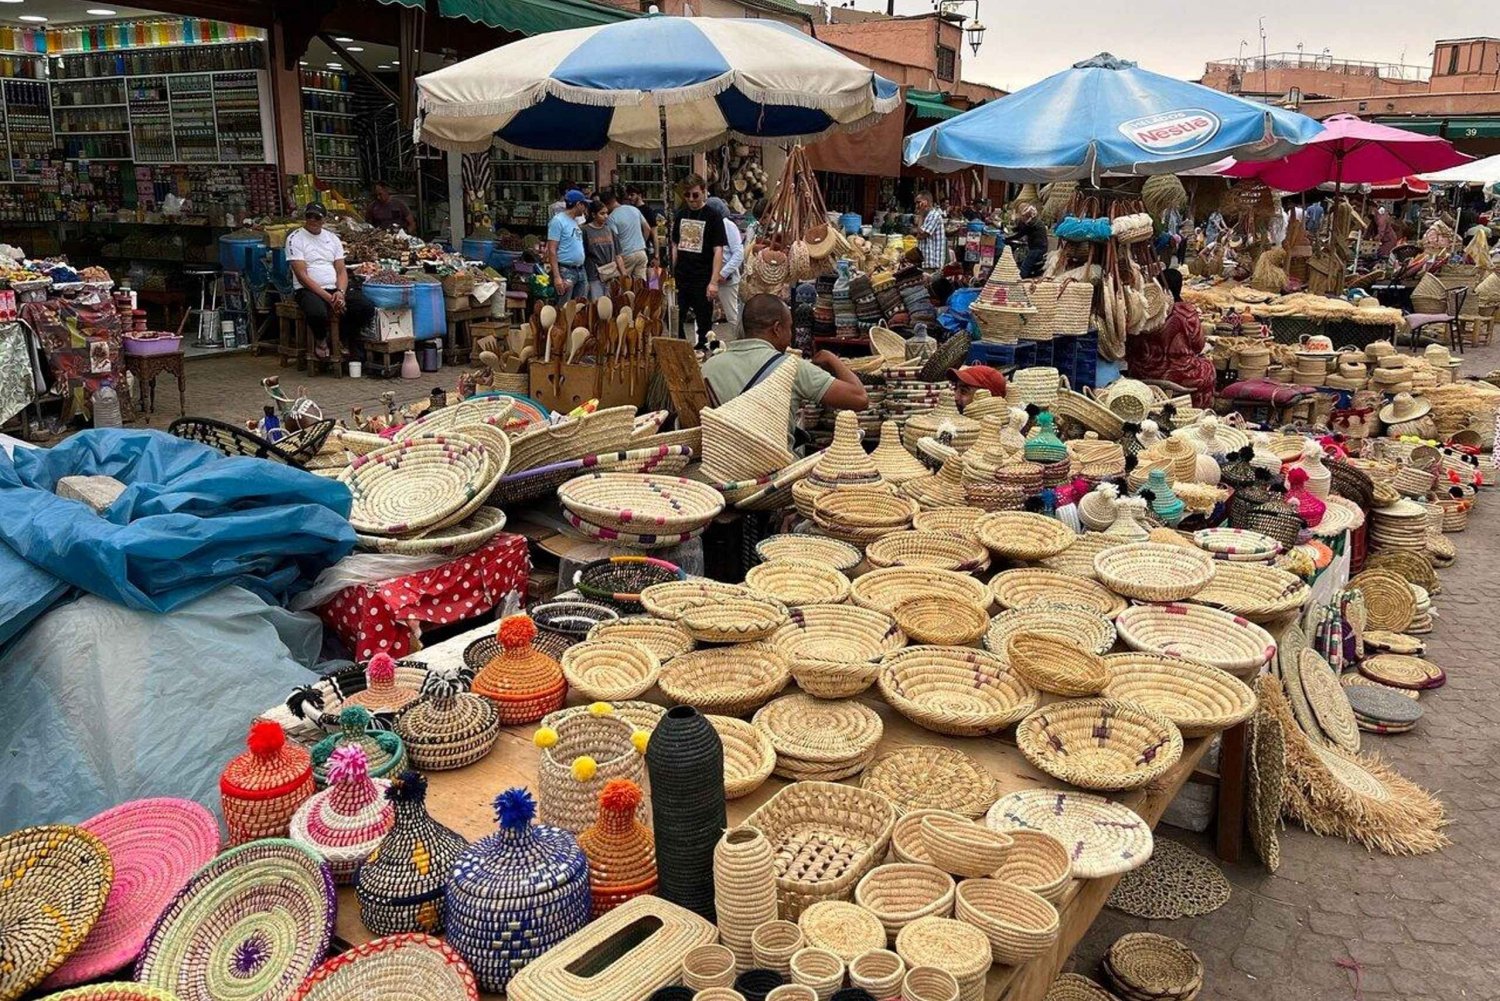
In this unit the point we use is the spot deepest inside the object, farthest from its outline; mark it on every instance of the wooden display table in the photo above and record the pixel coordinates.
(462, 800)
(460, 342)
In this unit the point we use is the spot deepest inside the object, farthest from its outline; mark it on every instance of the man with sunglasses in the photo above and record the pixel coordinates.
(698, 242)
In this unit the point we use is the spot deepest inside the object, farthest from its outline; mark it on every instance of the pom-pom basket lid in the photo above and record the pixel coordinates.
(409, 965)
(521, 861)
(270, 764)
(253, 923)
(56, 880)
(155, 845)
(1103, 838)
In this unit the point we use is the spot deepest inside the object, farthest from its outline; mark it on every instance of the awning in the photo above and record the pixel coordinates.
(1472, 128)
(532, 17)
(929, 104)
(414, 4)
(1421, 126)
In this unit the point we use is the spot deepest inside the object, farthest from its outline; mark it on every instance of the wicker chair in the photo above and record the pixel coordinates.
(294, 450)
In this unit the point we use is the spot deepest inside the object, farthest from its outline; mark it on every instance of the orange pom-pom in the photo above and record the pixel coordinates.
(516, 631)
(620, 796)
(266, 738)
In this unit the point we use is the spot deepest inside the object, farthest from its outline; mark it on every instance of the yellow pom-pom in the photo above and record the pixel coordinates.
(545, 737)
(601, 708)
(640, 739)
(584, 768)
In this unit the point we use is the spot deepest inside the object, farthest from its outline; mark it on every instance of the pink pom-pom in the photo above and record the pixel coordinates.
(347, 763)
(381, 670)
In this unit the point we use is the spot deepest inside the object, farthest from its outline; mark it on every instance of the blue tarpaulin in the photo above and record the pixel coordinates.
(190, 520)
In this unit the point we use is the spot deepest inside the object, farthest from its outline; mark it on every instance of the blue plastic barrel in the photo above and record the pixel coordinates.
(850, 222)
(244, 255)
(428, 317)
(478, 250)
(391, 296)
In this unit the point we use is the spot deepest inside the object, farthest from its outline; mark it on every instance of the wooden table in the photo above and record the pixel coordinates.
(462, 800)
(147, 367)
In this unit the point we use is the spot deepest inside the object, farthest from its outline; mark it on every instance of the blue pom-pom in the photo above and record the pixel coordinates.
(514, 808)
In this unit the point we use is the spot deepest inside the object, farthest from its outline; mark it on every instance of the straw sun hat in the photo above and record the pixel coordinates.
(1405, 407)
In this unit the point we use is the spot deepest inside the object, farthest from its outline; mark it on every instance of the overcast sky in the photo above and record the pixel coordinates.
(1029, 41)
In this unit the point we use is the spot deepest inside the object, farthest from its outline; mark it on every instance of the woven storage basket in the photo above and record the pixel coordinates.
(1037, 862)
(620, 580)
(733, 620)
(729, 681)
(1020, 924)
(958, 948)
(1101, 744)
(795, 583)
(708, 966)
(941, 621)
(664, 639)
(670, 600)
(1257, 591)
(884, 589)
(907, 844)
(899, 893)
(1197, 698)
(928, 983)
(641, 502)
(620, 849)
(400, 885)
(749, 755)
(925, 777)
(840, 927)
(523, 683)
(262, 787)
(961, 521)
(1027, 587)
(1147, 967)
(1077, 624)
(1019, 535)
(809, 549)
(1195, 632)
(1152, 571)
(610, 669)
(941, 550)
(384, 751)
(606, 430)
(959, 846)
(422, 483)
(345, 822)
(819, 739)
(955, 690)
(878, 972)
(861, 515)
(833, 649)
(774, 943)
(1053, 665)
(744, 891)
(1103, 838)
(568, 788)
(826, 837)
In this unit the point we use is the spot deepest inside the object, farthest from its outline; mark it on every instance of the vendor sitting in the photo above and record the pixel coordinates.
(386, 212)
(316, 257)
(745, 363)
(967, 379)
(1174, 351)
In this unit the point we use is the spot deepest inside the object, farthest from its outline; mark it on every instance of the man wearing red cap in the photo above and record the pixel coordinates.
(968, 378)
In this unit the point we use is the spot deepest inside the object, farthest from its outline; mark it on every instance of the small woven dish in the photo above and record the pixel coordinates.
(729, 681)
(610, 670)
(1031, 586)
(929, 777)
(960, 521)
(899, 893)
(810, 548)
(839, 735)
(1196, 632)
(1237, 544)
(641, 502)
(843, 928)
(1147, 967)
(1077, 624)
(671, 599)
(1258, 591)
(1197, 698)
(1102, 837)
(664, 639)
(959, 846)
(1037, 862)
(942, 550)
(941, 621)
(1019, 923)
(1055, 666)
(733, 620)
(958, 691)
(1403, 671)
(960, 949)
(1154, 571)
(1103, 744)
(1073, 987)
(833, 648)
(1021, 535)
(887, 587)
(878, 973)
(749, 755)
(795, 583)
(57, 878)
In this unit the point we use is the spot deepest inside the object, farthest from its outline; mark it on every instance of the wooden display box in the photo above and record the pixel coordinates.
(564, 387)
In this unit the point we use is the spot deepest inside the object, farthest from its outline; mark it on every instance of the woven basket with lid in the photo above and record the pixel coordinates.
(580, 754)
(385, 753)
(448, 727)
(620, 849)
(400, 886)
(346, 821)
(260, 789)
(523, 683)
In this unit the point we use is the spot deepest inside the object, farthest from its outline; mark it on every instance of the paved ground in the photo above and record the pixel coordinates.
(1417, 928)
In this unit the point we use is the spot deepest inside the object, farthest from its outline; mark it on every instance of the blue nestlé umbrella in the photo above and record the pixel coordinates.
(1107, 115)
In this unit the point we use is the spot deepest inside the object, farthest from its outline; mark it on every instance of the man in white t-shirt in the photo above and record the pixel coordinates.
(316, 258)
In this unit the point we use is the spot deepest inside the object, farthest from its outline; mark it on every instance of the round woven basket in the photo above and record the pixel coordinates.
(928, 777)
(819, 739)
(818, 970)
(1195, 632)
(860, 515)
(448, 728)
(1403, 671)
(420, 483)
(941, 621)
(958, 948)
(455, 540)
(1237, 544)
(670, 600)
(1102, 837)
(707, 966)
(941, 550)
(1053, 665)
(641, 503)
(398, 965)
(833, 649)
(959, 846)
(749, 755)
(955, 690)
(115, 991)
(1257, 591)
(620, 580)
(1037, 862)
(728, 681)
(842, 928)
(664, 639)
(1020, 924)
(568, 796)
(1020, 535)
(878, 972)
(810, 549)
(899, 893)
(1154, 571)
(1077, 624)
(884, 589)
(960, 521)
(610, 669)
(774, 943)
(733, 620)
(795, 583)
(1143, 965)
(56, 884)
(1032, 586)
(1197, 698)
(928, 983)
(1102, 744)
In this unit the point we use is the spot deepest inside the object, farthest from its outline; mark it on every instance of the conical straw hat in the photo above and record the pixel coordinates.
(895, 463)
(747, 437)
(985, 403)
(945, 488)
(845, 458)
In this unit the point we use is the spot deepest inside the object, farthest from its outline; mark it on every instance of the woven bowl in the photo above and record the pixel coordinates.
(1197, 698)
(1196, 632)
(960, 949)
(878, 972)
(427, 482)
(1054, 665)
(1032, 586)
(610, 670)
(899, 893)
(941, 621)
(1077, 624)
(1078, 559)
(795, 583)
(733, 620)
(663, 638)
(641, 503)
(1020, 924)
(842, 928)
(960, 846)
(942, 550)
(960, 521)
(928, 983)
(955, 690)
(1143, 965)
(1238, 545)
(1154, 571)
(818, 738)
(886, 588)
(861, 515)
(819, 970)
(1037, 862)
(707, 966)
(810, 549)
(749, 755)
(1258, 591)
(774, 943)
(671, 599)
(1021, 535)
(925, 777)
(1102, 744)
(729, 681)
(833, 648)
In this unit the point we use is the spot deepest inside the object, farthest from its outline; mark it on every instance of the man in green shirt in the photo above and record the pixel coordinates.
(745, 363)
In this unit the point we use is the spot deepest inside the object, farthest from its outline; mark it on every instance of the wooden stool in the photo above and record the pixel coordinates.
(383, 358)
(291, 335)
(458, 345)
(335, 360)
(147, 367)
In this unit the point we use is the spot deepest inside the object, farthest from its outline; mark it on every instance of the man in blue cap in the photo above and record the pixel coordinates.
(565, 247)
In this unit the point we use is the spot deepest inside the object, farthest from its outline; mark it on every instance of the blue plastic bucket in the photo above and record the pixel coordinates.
(850, 223)
(478, 250)
(244, 254)
(428, 317)
(392, 296)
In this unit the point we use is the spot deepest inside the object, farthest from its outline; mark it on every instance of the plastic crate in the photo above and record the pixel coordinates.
(1022, 354)
(1077, 357)
(1045, 352)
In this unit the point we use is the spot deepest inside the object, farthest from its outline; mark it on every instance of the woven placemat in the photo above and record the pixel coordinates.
(1402, 671)
(1176, 882)
(1385, 641)
(1289, 658)
(1357, 680)
(929, 777)
(1329, 703)
(1267, 773)
(1383, 706)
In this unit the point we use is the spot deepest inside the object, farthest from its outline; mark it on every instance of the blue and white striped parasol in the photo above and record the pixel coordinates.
(713, 79)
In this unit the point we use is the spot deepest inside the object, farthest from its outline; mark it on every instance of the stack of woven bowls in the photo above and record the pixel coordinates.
(426, 493)
(1146, 967)
(860, 515)
(639, 509)
(820, 739)
(1402, 525)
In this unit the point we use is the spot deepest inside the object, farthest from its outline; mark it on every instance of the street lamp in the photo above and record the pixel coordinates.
(976, 35)
(975, 31)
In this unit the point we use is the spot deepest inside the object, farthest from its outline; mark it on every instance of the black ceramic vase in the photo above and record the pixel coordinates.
(685, 760)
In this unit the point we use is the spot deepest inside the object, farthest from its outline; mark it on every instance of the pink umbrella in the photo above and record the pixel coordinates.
(1350, 150)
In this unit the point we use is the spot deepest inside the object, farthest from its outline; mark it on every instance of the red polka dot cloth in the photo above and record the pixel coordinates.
(386, 617)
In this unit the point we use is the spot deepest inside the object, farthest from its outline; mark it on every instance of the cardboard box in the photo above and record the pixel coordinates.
(392, 323)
